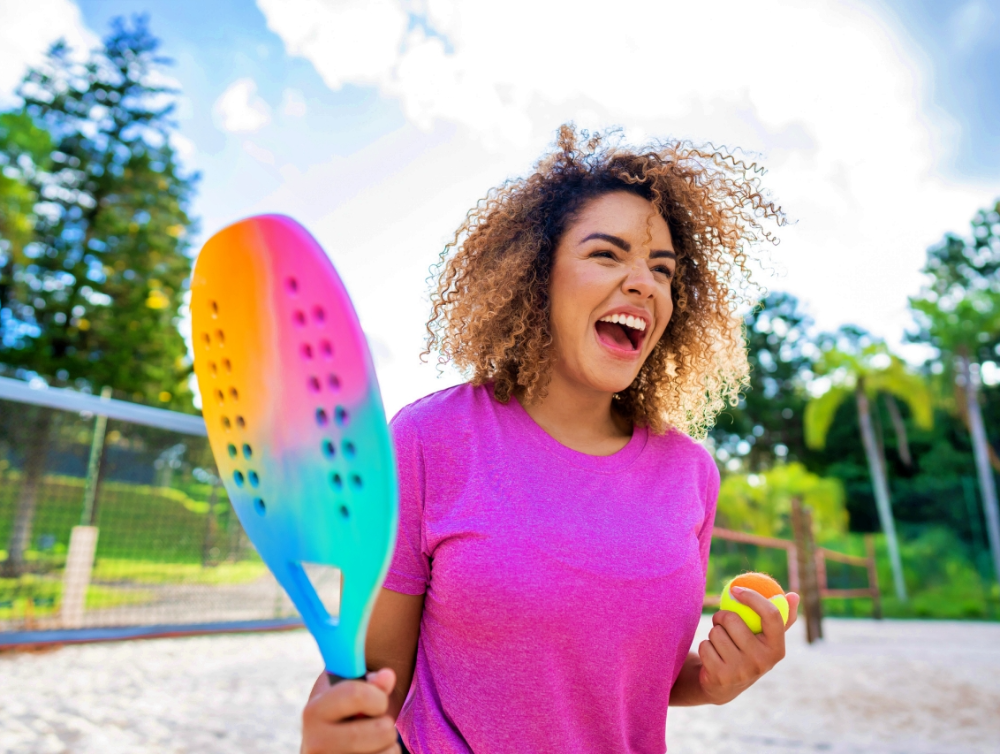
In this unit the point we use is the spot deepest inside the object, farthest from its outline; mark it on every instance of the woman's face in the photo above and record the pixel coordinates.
(610, 292)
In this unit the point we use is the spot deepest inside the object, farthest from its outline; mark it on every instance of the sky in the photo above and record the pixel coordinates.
(379, 123)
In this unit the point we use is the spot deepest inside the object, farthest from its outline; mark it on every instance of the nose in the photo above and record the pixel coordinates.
(639, 280)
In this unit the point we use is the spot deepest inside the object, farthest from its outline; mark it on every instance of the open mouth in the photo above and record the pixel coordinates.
(621, 332)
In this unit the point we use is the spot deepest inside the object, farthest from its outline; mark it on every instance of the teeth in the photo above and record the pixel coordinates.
(621, 319)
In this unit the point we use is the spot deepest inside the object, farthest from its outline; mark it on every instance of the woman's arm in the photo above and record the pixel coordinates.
(330, 723)
(733, 658)
(392, 640)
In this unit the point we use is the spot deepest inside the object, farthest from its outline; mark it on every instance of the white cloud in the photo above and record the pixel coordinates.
(357, 40)
(183, 146)
(826, 92)
(293, 103)
(28, 29)
(239, 109)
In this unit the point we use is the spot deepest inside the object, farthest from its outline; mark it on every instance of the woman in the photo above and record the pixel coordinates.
(555, 516)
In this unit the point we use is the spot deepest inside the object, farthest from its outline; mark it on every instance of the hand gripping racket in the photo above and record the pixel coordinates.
(296, 424)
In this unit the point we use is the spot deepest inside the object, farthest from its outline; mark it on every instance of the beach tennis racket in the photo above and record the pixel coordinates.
(296, 424)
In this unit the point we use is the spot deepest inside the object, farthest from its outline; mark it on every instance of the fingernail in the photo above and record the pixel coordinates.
(370, 677)
(737, 590)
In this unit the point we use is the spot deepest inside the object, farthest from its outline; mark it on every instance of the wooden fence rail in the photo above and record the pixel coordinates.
(807, 568)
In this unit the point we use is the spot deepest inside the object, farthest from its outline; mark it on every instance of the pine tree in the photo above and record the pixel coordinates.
(92, 297)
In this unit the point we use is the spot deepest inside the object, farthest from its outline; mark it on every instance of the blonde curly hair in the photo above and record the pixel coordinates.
(490, 307)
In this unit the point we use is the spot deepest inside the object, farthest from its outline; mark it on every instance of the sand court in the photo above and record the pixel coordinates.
(912, 687)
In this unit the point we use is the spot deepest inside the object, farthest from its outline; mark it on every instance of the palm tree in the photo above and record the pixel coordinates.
(871, 371)
(959, 330)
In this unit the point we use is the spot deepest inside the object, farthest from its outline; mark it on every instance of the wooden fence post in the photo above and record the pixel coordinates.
(811, 607)
(873, 577)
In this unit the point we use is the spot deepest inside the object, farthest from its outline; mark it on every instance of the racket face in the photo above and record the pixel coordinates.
(296, 423)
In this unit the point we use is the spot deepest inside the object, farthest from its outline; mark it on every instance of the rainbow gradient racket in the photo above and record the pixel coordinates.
(296, 424)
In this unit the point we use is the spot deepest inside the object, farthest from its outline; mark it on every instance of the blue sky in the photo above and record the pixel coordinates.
(377, 123)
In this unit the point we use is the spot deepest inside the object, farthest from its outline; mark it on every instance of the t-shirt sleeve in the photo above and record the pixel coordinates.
(409, 570)
(711, 487)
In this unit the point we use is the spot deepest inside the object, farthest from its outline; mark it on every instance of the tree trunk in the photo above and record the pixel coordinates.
(962, 402)
(880, 486)
(987, 484)
(36, 449)
(902, 441)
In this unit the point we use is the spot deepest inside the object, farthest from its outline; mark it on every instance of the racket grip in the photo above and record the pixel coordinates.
(335, 679)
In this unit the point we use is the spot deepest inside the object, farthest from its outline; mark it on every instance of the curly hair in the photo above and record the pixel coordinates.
(490, 308)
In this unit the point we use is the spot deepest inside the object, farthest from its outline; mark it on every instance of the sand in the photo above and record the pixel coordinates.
(913, 687)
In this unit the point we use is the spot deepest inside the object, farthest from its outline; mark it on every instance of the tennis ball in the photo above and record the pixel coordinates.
(765, 586)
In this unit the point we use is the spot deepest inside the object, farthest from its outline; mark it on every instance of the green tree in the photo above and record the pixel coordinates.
(766, 426)
(92, 298)
(762, 503)
(958, 314)
(864, 373)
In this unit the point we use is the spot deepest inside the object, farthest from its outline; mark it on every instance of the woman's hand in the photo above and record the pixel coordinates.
(328, 726)
(733, 657)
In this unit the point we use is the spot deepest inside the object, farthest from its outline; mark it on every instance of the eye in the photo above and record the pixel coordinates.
(663, 269)
(603, 255)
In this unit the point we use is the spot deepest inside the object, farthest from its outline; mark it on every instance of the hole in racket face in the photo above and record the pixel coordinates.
(247, 451)
(326, 349)
(292, 286)
(328, 449)
(327, 582)
(259, 506)
(319, 316)
(349, 449)
(214, 306)
(341, 416)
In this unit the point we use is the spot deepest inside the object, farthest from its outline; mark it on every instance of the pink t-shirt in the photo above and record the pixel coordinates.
(562, 589)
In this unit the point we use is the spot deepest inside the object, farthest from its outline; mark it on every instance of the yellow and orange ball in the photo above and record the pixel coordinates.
(766, 587)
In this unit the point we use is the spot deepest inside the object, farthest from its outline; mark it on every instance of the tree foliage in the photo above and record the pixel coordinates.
(959, 309)
(96, 260)
(766, 426)
(872, 369)
(762, 503)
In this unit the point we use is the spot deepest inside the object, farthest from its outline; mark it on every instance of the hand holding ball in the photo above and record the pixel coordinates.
(765, 586)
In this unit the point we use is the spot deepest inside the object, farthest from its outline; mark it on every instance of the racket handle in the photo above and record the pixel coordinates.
(335, 679)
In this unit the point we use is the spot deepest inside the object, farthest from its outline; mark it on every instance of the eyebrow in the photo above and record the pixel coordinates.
(624, 245)
(621, 243)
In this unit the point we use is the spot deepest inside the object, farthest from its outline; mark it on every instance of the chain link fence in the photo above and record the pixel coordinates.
(114, 524)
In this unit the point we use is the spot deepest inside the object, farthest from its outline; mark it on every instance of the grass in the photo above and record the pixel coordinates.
(118, 570)
(137, 522)
(40, 597)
